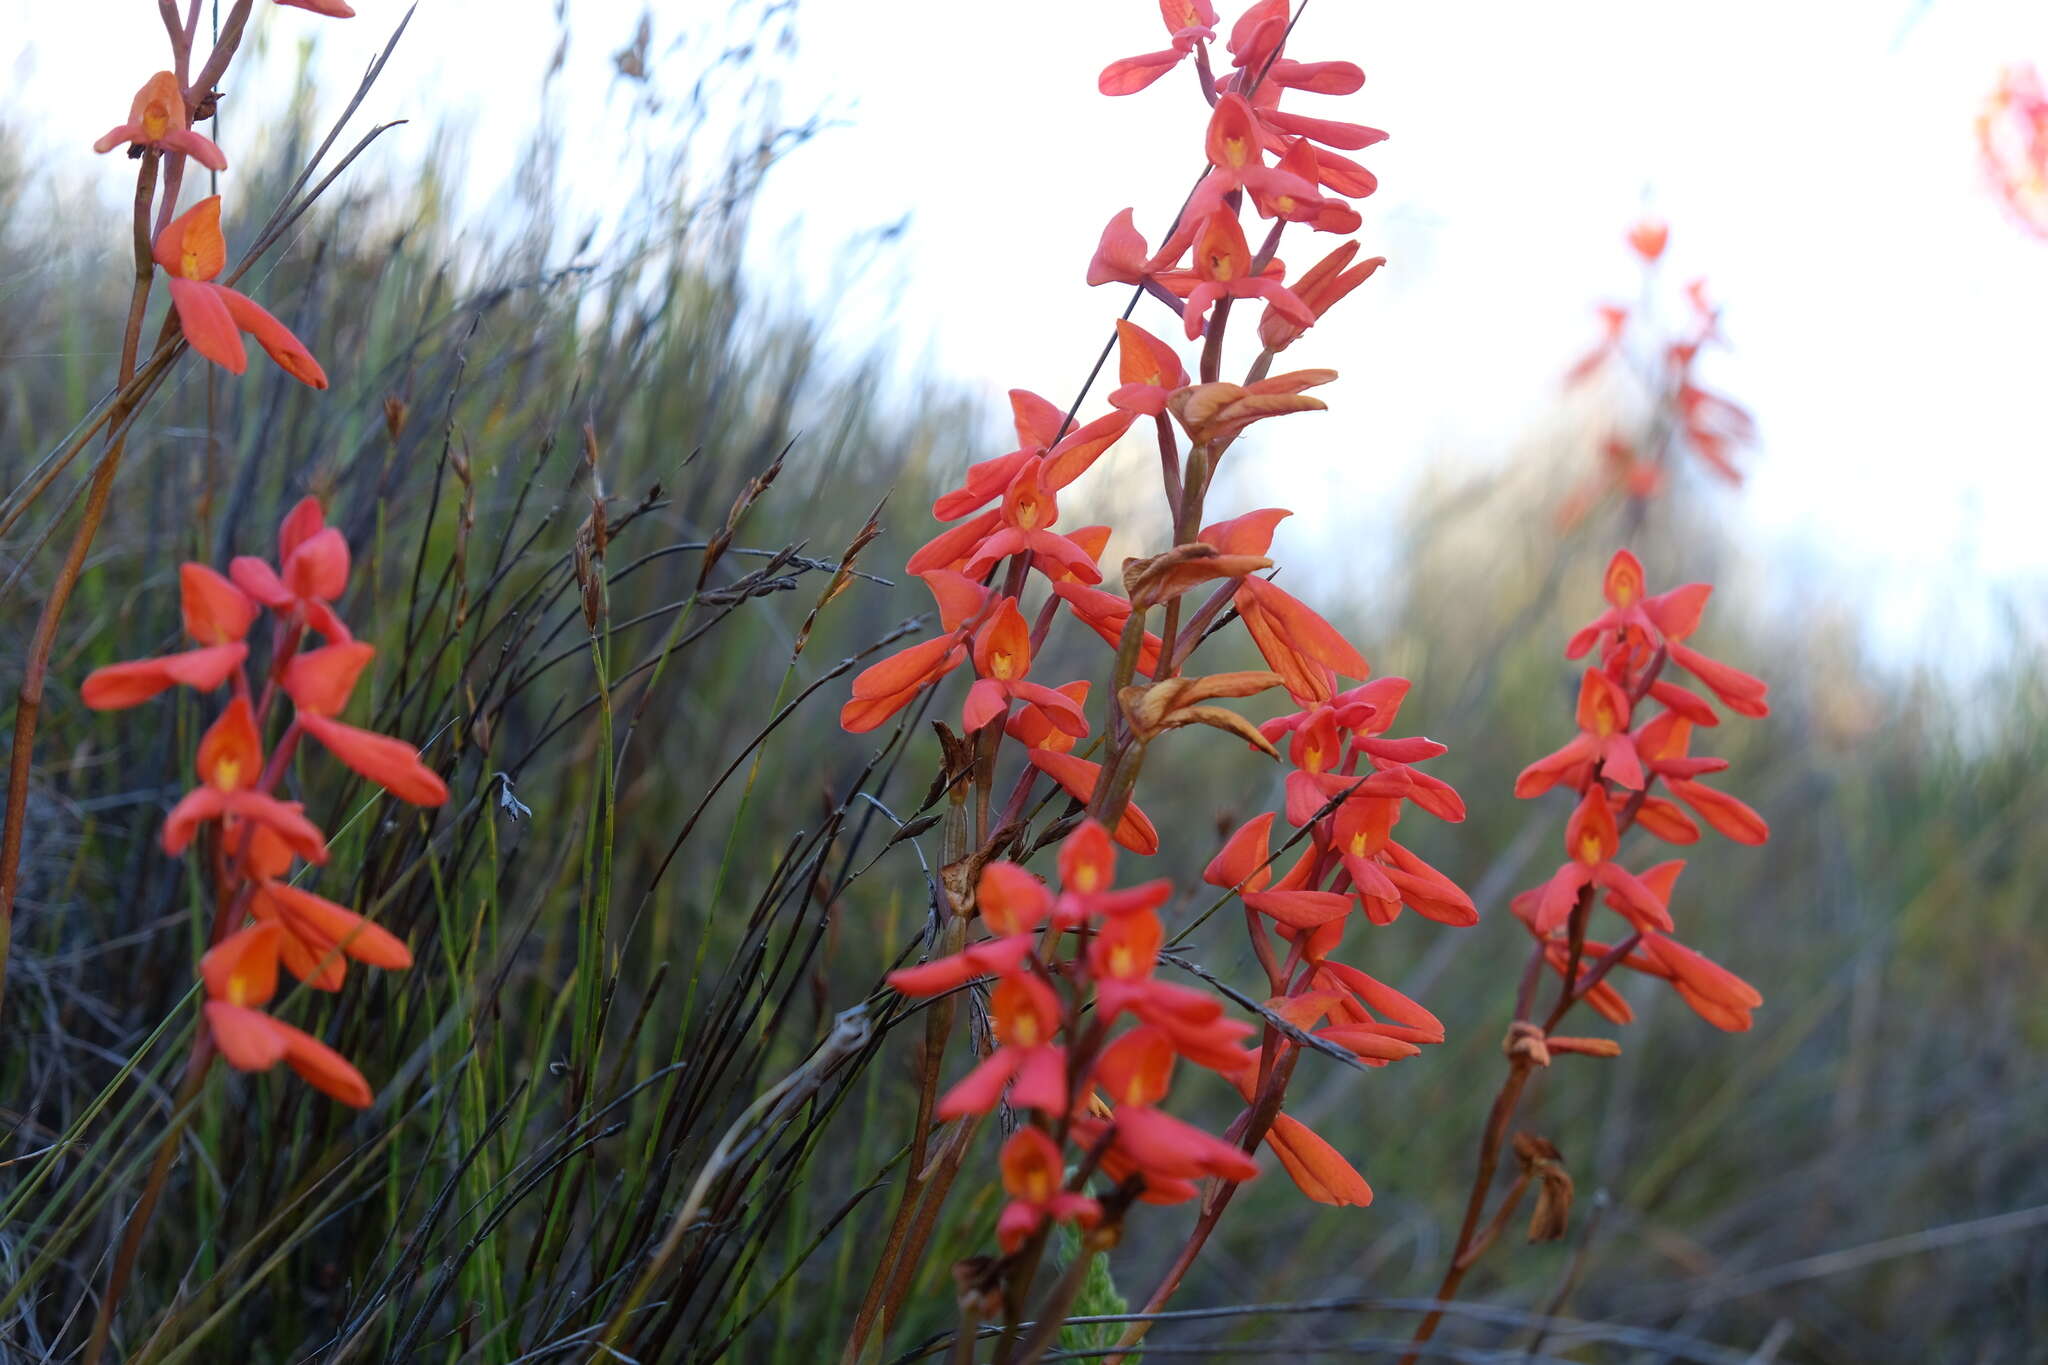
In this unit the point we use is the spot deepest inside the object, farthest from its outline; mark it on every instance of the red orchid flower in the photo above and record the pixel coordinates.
(1647, 238)
(230, 764)
(241, 976)
(2012, 135)
(1027, 1018)
(1088, 889)
(217, 615)
(883, 689)
(1223, 269)
(1034, 728)
(318, 934)
(1147, 371)
(1592, 840)
(1039, 426)
(1002, 656)
(314, 558)
(1012, 903)
(1188, 22)
(1033, 1177)
(1663, 742)
(1134, 1073)
(192, 251)
(1025, 523)
(157, 119)
(1603, 718)
(319, 682)
(1319, 289)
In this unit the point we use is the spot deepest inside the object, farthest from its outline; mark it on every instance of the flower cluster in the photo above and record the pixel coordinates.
(1086, 1036)
(1345, 793)
(1058, 1008)
(1613, 763)
(253, 836)
(189, 248)
(1671, 408)
(2012, 132)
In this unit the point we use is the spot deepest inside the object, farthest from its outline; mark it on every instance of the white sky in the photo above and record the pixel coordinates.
(1816, 160)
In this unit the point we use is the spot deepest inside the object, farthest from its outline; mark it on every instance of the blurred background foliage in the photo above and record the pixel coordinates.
(558, 1066)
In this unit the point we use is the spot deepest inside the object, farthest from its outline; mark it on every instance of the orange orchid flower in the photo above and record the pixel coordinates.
(230, 764)
(314, 559)
(1223, 269)
(1027, 1018)
(1026, 517)
(217, 616)
(1147, 371)
(1603, 738)
(1033, 1177)
(1647, 238)
(1663, 742)
(1039, 425)
(2012, 134)
(1012, 903)
(192, 251)
(1088, 889)
(1034, 728)
(1234, 146)
(1592, 840)
(157, 119)
(1122, 955)
(1296, 643)
(1133, 1074)
(1713, 992)
(1002, 656)
(318, 934)
(883, 689)
(1105, 614)
(1188, 22)
(1321, 287)
(241, 976)
(1121, 256)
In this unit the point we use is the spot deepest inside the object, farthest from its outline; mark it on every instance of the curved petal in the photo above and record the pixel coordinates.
(195, 809)
(207, 324)
(260, 581)
(391, 763)
(274, 337)
(1317, 1169)
(321, 1067)
(249, 1039)
(339, 926)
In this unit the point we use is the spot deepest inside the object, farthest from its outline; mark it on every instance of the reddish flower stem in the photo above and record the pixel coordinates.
(1572, 988)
